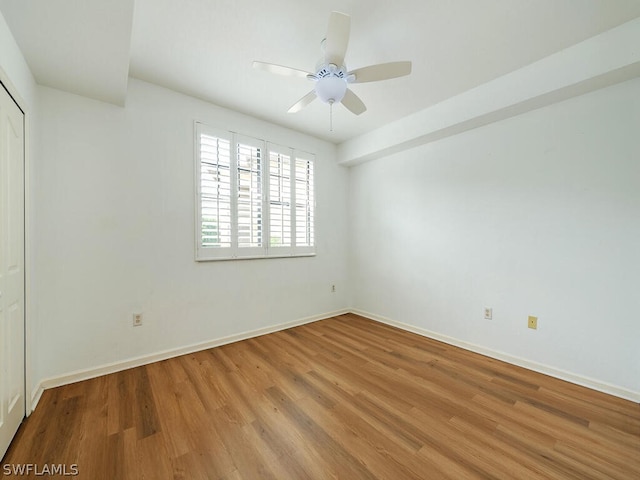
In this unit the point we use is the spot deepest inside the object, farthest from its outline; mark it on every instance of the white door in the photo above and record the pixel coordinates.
(12, 389)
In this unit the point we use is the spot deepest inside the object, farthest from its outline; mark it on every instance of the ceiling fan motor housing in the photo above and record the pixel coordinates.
(331, 82)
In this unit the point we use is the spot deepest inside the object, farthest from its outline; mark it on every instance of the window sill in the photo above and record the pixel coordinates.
(254, 257)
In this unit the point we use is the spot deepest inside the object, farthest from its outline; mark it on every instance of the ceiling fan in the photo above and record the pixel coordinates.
(331, 77)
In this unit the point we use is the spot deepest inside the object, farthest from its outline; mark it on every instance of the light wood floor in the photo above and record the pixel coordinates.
(341, 398)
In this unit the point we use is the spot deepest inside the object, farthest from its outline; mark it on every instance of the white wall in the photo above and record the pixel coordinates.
(115, 234)
(535, 215)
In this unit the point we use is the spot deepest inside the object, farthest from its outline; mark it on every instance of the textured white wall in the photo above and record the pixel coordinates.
(534, 215)
(115, 234)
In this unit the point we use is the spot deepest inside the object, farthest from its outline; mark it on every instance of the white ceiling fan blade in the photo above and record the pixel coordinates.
(382, 71)
(303, 102)
(353, 103)
(280, 70)
(337, 40)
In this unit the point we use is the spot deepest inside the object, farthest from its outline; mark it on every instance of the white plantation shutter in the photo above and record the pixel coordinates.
(252, 202)
(304, 202)
(215, 190)
(279, 198)
(250, 194)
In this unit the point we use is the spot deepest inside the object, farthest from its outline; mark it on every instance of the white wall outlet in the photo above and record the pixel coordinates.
(137, 319)
(488, 313)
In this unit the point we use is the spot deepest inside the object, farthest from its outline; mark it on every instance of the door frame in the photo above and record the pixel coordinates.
(22, 104)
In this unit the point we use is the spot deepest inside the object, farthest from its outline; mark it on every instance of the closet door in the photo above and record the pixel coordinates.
(12, 277)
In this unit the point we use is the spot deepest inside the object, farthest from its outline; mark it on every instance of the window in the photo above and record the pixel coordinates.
(254, 199)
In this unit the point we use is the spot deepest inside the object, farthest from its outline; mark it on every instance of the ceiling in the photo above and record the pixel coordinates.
(205, 48)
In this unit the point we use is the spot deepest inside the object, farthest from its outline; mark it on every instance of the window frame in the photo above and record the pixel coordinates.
(266, 250)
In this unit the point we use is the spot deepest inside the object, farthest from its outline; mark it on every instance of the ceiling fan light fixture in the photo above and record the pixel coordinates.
(331, 89)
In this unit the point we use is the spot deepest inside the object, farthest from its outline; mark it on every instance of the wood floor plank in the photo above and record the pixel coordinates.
(344, 397)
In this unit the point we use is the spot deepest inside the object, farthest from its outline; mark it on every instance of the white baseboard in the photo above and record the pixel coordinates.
(93, 372)
(521, 362)
(35, 397)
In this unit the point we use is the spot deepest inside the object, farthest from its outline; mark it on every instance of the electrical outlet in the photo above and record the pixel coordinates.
(532, 322)
(488, 313)
(333, 289)
(137, 319)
